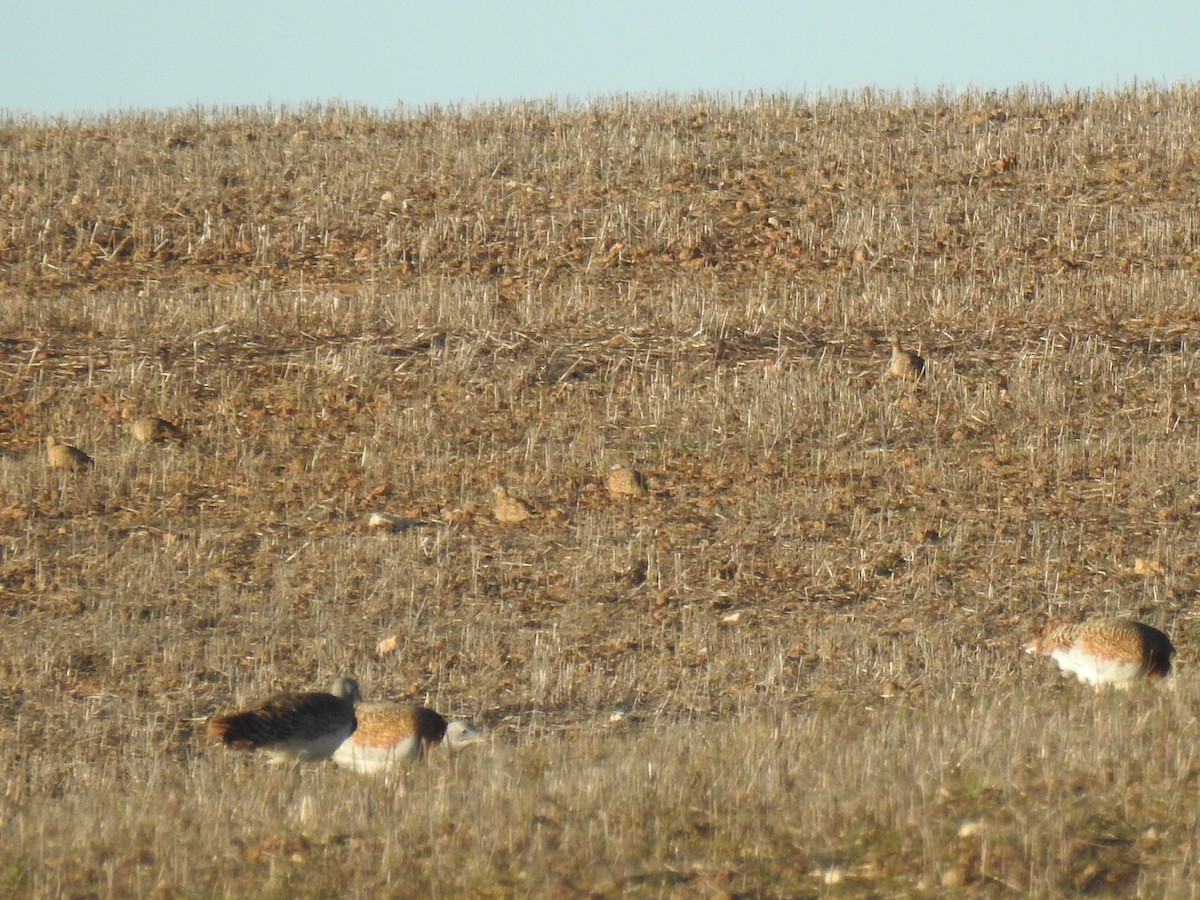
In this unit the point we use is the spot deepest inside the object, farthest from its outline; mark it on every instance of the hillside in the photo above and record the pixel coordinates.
(790, 668)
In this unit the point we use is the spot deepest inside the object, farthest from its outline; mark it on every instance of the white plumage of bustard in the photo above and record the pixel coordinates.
(305, 727)
(391, 734)
(1106, 651)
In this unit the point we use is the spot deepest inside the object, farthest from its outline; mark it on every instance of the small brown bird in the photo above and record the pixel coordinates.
(507, 509)
(1106, 651)
(621, 481)
(304, 727)
(151, 429)
(390, 734)
(905, 364)
(64, 456)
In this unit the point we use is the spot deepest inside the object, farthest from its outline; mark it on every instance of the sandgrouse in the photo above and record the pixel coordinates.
(622, 481)
(1106, 651)
(153, 430)
(905, 364)
(507, 509)
(64, 456)
(390, 734)
(302, 726)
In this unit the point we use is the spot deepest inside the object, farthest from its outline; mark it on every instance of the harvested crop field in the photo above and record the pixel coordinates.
(784, 662)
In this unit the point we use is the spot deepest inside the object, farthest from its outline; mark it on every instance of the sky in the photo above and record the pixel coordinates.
(73, 58)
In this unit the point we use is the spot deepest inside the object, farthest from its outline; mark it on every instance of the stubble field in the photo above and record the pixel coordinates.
(791, 669)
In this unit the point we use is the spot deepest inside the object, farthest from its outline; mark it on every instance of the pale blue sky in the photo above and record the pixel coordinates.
(72, 57)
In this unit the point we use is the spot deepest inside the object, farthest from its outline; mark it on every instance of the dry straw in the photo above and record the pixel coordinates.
(793, 668)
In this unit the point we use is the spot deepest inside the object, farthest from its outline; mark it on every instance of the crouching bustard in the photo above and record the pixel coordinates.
(1106, 651)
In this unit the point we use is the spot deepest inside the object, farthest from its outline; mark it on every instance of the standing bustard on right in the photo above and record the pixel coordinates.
(306, 727)
(1106, 651)
(905, 364)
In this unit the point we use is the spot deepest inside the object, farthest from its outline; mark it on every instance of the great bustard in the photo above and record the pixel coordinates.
(390, 734)
(1106, 651)
(293, 726)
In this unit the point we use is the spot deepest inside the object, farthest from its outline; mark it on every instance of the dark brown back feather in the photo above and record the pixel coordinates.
(1159, 651)
(283, 717)
(431, 726)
